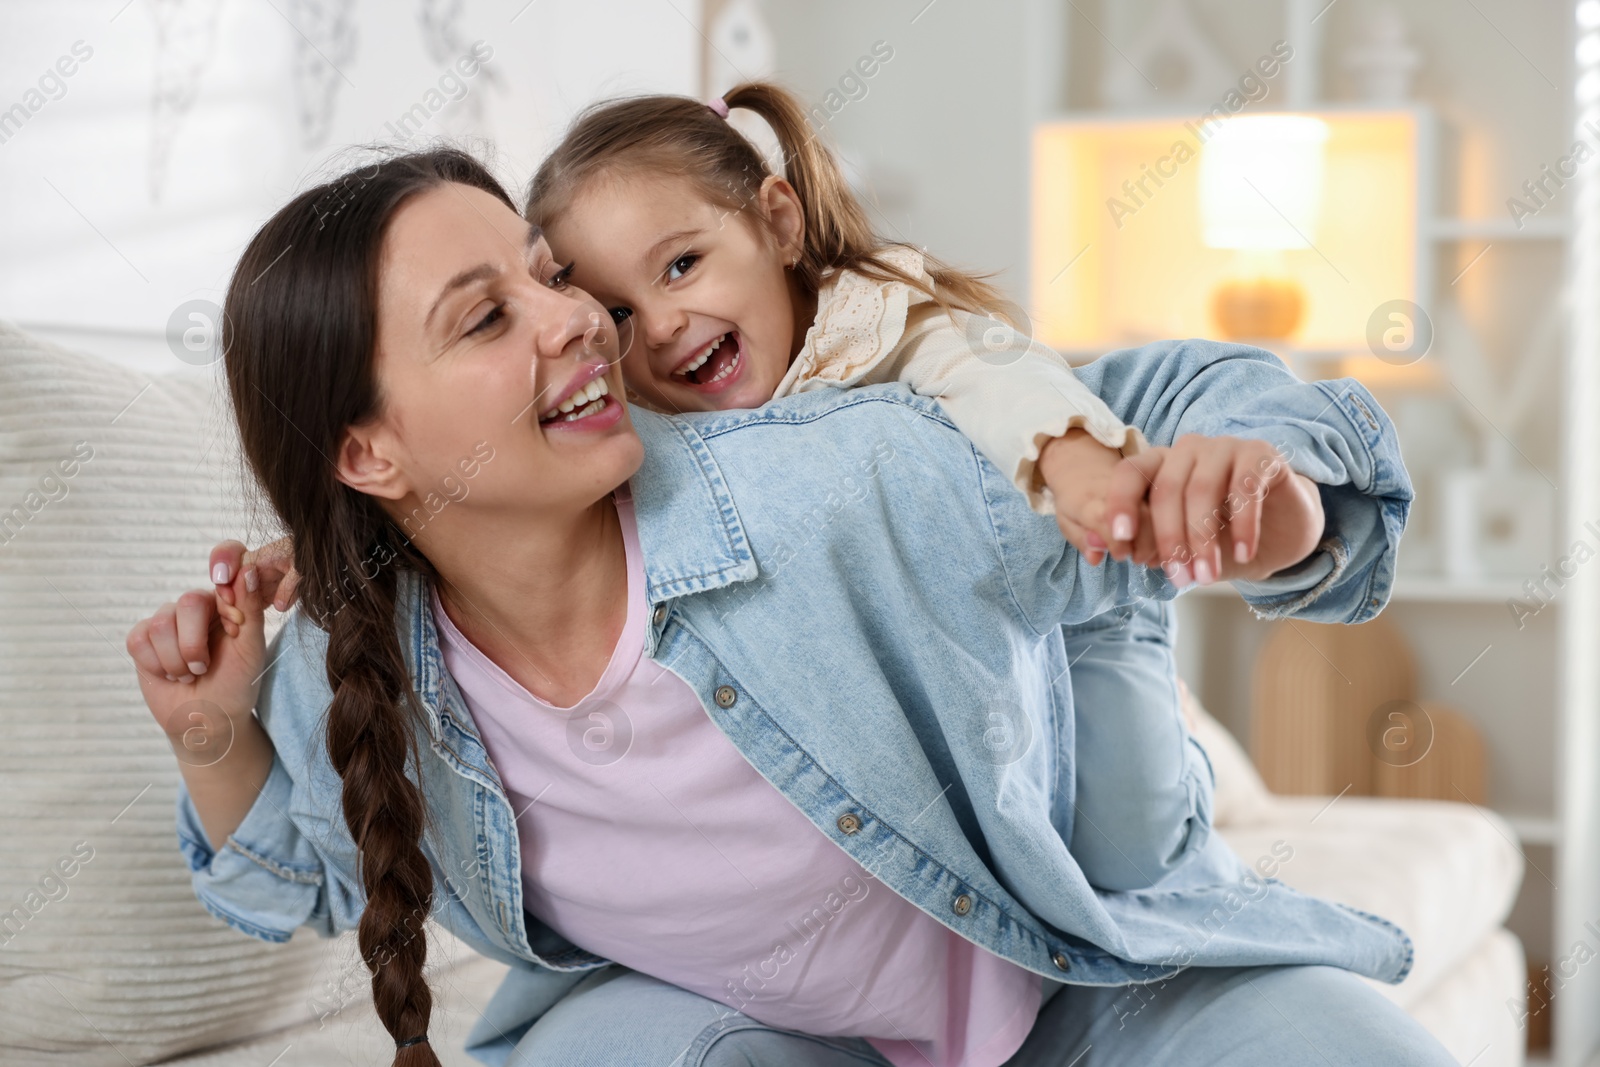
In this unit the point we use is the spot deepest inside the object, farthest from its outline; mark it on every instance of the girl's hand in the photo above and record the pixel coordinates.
(268, 569)
(1078, 470)
(199, 681)
(1208, 497)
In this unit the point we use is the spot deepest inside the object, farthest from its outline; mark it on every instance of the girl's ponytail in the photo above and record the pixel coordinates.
(837, 229)
(678, 135)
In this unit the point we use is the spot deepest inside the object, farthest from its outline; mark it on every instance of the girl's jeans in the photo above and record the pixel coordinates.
(1238, 1017)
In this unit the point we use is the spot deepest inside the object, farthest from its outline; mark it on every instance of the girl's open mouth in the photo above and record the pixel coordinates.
(716, 366)
(590, 407)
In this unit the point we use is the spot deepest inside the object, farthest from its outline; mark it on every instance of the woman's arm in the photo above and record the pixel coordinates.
(1332, 433)
(258, 844)
(201, 687)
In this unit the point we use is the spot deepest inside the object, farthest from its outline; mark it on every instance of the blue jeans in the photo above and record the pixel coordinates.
(1238, 1017)
(1144, 790)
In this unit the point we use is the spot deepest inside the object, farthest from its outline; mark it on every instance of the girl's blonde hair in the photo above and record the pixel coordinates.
(680, 135)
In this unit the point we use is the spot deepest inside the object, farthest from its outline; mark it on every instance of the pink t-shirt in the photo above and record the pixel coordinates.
(647, 838)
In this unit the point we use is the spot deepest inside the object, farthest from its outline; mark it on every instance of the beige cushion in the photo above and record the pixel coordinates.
(1446, 873)
(123, 965)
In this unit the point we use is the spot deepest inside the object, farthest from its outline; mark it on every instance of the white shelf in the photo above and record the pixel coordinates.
(1419, 589)
(1534, 829)
(1551, 228)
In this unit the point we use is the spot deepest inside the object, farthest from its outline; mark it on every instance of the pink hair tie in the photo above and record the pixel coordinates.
(720, 106)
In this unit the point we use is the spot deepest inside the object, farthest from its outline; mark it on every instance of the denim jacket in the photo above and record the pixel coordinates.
(855, 593)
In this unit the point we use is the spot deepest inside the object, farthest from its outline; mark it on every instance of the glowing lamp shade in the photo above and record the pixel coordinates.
(1261, 182)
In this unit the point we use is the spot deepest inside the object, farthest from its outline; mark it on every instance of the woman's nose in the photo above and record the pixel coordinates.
(565, 320)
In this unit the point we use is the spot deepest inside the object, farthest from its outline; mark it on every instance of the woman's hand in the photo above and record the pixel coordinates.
(1211, 494)
(199, 681)
(1078, 470)
(268, 570)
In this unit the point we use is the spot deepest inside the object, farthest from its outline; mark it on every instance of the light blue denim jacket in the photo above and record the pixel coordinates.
(855, 592)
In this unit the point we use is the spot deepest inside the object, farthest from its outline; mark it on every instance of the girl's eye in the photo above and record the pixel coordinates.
(681, 266)
(495, 314)
(619, 314)
(562, 277)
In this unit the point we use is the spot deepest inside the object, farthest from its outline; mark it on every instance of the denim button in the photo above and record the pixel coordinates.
(963, 904)
(660, 614)
(1061, 961)
(726, 696)
(849, 822)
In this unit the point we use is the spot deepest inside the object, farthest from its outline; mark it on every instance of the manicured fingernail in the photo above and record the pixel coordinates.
(197, 667)
(1122, 528)
(221, 574)
(172, 677)
(1241, 552)
(1182, 578)
(1202, 573)
(251, 579)
(187, 679)
(1170, 569)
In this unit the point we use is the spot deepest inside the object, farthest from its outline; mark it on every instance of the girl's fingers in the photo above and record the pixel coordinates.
(287, 590)
(1081, 538)
(1167, 512)
(1206, 509)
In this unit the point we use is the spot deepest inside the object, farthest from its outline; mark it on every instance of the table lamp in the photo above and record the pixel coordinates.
(1261, 195)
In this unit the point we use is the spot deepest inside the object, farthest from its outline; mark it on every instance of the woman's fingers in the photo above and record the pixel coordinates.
(1130, 483)
(226, 561)
(163, 638)
(1205, 506)
(143, 649)
(1167, 512)
(1252, 478)
(196, 611)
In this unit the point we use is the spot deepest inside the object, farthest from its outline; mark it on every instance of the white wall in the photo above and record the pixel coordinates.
(942, 132)
(190, 122)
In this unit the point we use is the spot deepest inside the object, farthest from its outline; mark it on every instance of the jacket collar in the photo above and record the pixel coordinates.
(689, 533)
(689, 530)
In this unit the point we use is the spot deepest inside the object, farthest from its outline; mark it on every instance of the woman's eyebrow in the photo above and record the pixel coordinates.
(534, 233)
(481, 272)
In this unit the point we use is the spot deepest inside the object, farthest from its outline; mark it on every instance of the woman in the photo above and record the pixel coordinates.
(787, 580)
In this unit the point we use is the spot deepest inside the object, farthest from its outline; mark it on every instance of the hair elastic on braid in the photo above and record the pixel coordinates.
(408, 1042)
(719, 105)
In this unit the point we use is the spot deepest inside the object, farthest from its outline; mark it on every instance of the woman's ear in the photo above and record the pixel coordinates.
(785, 217)
(363, 463)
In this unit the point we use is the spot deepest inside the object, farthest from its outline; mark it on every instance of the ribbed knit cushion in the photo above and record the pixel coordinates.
(114, 963)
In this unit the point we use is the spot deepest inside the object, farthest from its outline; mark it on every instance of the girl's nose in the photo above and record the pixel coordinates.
(661, 325)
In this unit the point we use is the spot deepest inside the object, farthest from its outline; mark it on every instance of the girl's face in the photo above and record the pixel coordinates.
(704, 303)
(481, 342)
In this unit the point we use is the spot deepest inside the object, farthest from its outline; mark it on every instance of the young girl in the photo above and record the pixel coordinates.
(740, 286)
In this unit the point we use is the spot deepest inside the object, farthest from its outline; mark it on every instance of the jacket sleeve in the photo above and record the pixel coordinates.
(1005, 392)
(285, 865)
(1333, 432)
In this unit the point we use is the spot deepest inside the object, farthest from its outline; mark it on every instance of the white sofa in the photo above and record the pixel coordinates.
(107, 959)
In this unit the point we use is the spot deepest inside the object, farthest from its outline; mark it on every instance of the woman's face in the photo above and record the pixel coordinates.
(480, 345)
